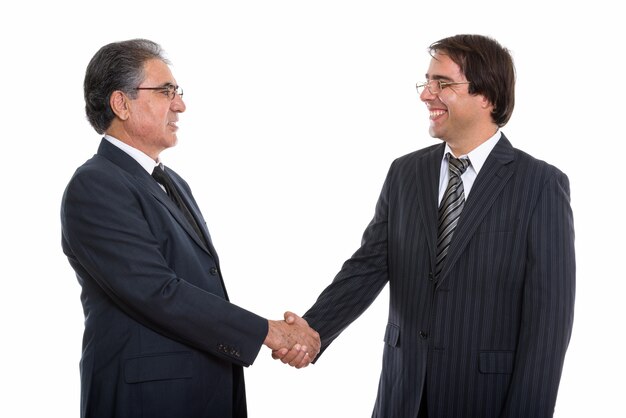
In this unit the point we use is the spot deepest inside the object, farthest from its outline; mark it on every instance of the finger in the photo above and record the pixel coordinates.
(305, 361)
(298, 359)
(293, 353)
(279, 354)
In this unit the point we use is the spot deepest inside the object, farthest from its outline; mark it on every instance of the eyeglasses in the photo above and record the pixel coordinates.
(435, 86)
(169, 90)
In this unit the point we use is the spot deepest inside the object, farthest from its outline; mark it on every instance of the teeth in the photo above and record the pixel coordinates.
(435, 113)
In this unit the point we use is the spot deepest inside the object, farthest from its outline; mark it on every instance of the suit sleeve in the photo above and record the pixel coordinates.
(360, 280)
(110, 244)
(548, 305)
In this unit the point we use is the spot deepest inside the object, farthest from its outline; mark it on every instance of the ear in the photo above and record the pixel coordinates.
(120, 104)
(485, 103)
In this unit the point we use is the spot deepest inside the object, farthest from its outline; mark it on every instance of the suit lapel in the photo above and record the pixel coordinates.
(127, 163)
(151, 185)
(427, 170)
(490, 181)
(195, 212)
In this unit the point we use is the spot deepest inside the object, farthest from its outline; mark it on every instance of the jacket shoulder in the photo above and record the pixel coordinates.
(414, 157)
(535, 165)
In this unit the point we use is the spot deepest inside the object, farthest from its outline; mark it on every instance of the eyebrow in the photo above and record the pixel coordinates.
(439, 77)
(167, 84)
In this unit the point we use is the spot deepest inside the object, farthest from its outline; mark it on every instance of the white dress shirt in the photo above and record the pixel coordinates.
(477, 158)
(144, 160)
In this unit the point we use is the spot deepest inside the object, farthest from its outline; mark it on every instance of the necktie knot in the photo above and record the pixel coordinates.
(457, 166)
(159, 175)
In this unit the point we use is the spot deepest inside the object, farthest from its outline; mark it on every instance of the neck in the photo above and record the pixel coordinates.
(468, 143)
(122, 135)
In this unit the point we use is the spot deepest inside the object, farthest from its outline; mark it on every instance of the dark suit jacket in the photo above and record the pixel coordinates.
(161, 338)
(488, 337)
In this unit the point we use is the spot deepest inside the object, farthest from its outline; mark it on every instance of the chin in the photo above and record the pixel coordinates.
(433, 132)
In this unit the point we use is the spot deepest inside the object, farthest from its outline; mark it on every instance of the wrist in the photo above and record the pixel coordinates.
(270, 337)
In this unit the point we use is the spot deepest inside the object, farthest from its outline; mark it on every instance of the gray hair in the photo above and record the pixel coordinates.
(116, 66)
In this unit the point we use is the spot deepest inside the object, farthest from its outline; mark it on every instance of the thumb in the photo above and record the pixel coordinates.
(290, 317)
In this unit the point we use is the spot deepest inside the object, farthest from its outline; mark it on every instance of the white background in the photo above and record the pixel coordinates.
(295, 111)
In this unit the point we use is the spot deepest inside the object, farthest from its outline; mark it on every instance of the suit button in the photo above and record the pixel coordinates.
(431, 276)
(213, 271)
(423, 335)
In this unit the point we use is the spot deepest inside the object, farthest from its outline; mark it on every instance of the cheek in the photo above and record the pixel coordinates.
(447, 98)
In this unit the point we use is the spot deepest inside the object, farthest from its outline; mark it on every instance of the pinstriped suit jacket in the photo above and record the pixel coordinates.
(488, 337)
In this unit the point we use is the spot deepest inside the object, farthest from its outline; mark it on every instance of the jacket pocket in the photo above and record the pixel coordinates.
(496, 362)
(154, 367)
(392, 335)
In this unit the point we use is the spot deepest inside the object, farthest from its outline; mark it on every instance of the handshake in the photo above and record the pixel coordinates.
(293, 341)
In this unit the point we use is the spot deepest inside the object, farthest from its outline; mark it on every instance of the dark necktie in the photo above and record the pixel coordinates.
(450, 208)
(161, 176)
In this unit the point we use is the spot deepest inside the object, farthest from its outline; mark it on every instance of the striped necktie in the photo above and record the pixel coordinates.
(450, 208)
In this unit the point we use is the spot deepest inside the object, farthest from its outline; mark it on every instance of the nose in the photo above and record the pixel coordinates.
(426, 95)
(178, 105)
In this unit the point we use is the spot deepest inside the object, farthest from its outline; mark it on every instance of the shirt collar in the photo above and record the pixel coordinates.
(144, 160)
(478, 155)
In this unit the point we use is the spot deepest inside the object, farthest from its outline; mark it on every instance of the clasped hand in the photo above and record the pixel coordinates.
(293, 341)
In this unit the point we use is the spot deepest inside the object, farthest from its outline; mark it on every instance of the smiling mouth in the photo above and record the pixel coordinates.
(434, 114)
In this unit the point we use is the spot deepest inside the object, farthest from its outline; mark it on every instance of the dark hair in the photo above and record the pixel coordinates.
(116, 66)
(488, 66)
